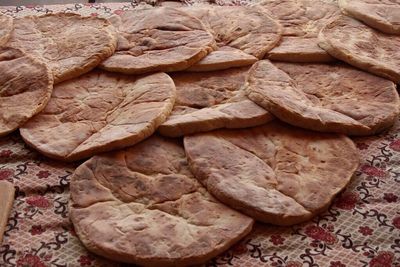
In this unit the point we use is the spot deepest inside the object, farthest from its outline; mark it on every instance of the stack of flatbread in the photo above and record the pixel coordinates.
(195, 121)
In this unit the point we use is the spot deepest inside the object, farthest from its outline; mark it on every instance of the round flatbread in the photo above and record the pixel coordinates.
(325, 97)
(69, 44)
(99, 112)
(158, 39)
(274, 173)
(247, 29)
(6, 27)
(359, 45)
(25, 88)
(142, 205)
(212, 100)
(383, 15)
(301, 21)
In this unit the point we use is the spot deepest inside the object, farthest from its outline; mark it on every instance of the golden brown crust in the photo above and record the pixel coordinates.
(6, 27)
(212, 100)
(99, 112)
(158, 39)
(25, 88)
(69, 44)
(142, 205)
(205, 89)
(301, 21)
(274, 173)
(171, 3)
(294, 49)
(247, 28)
(223, 58)
(383, 15)
(244, 29)
(324, 97)
(361, 46)
(238, 114)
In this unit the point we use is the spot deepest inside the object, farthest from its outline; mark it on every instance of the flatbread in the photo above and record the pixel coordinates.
(274, 173)
(25, 88)
(142, 205)
(212, 100)
(295, 49)
(158, 39)
(241, 114)
(247, 29)
(361, 46)
(223, 58)
(383, 15)
(327, 98)
(170, 3)
(200, 90)
(6, 27)
(301, 21)
(99, 112)
(69, 44)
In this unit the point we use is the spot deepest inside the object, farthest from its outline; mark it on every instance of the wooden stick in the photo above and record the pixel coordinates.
(7, 192)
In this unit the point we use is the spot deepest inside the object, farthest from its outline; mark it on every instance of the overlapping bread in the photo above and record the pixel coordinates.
(325, 97)
(211, 100)
(158, 39)
(357, 44)
(274, 173)
(69, 44)
(301, 21)
(142, 205)
(26, 84)
(243, 35)
(383, 15)
(99, 112)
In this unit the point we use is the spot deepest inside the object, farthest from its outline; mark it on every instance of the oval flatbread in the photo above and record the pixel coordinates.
(25, 88)
(301, 21)
(383, 15)
(224, 58)
(99, 112)
(212, 100)
(69, 44)
(361, 46)
(158, 39)
(142, 205)
(274, 173)
(6, 27)
(247, 31)
(325, 97)
(171, 4)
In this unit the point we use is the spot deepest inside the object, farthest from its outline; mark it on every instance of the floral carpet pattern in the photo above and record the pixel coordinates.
(361, 228)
